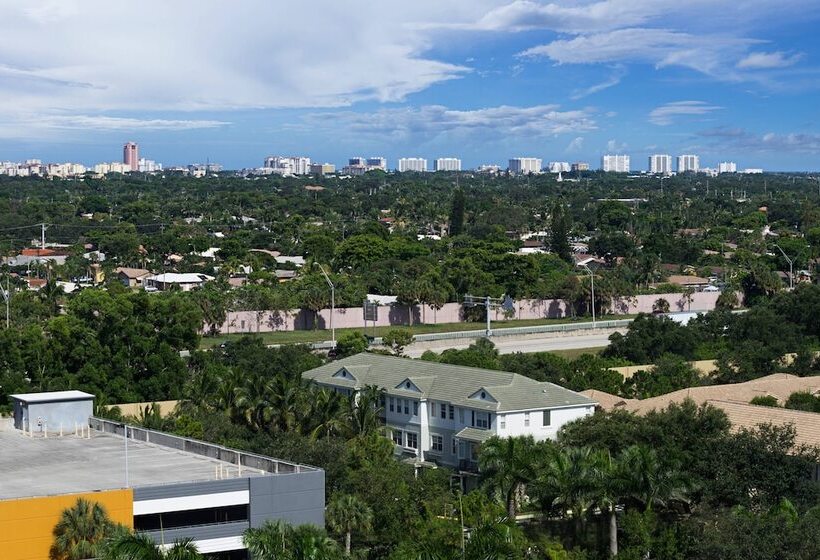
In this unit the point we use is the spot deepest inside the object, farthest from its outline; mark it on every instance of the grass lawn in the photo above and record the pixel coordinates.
(576, 352)
(321, 335)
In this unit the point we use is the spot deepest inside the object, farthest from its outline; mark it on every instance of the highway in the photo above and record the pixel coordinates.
(529, 343)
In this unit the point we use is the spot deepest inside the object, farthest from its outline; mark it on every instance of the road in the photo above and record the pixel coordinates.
(531, 343)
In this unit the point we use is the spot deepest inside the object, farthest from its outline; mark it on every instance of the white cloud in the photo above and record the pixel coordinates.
(743, 140)
(666, 114)
(97, 56)
(614, 147)
(661, 47)
(119, 123)
(575, 145)
(614, 80)
(434, 120)
(764, 60)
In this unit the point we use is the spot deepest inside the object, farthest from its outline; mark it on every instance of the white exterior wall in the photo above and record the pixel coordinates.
(615, 163)
(515, 422)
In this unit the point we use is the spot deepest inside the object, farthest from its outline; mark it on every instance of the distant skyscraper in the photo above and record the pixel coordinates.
(558, 166)
(524, 165)
(288, 165)
(615, 163)
(131, 156)
(727, 167)
(580, 166)
(660, 164)
(376, 163)
(447, 164)
(688, 162)
(412, 164)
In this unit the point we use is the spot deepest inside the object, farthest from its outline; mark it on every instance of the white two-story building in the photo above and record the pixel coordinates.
(441, 413)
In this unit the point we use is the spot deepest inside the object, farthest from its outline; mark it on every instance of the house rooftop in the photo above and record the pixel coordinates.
(498, 391)
(38, 466)
(52, 396)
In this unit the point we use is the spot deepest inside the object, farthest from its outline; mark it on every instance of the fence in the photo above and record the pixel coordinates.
(402, 315)
(202, 448)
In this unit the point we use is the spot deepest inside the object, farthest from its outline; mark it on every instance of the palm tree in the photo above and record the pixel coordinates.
(647, 479)
(268, 542)
(286, 399)
(569, 479)
(347, 513)
(688, 295)
(80, 531)
(610, 488)
(311, 543)
(508, 464)
(327, 413)
(253, 401)
(143, 547)
(365, 412)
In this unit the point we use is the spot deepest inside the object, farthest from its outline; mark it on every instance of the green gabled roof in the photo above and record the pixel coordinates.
(453, 384)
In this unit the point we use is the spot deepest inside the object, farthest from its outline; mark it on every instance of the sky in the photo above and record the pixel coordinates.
(563, 80)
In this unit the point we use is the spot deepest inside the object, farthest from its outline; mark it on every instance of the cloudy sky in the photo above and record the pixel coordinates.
(483, 80)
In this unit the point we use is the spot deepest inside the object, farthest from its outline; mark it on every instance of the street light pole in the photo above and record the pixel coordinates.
(332, 303)
(592, 287)
(791, 266)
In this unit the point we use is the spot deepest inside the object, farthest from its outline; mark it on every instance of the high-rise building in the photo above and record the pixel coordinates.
(688, 162)
(559, 166)
(412, 164)
(357, 161)
(660, 164)
(524, 165)
(489, 168)
(322, 168)
(727, 167)
(615, 163)
(377, 162)
(580, 166)
(447, 164)
(131, 155)
(288, 165)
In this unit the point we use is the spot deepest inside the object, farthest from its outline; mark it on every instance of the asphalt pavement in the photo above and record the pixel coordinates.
(531, 343)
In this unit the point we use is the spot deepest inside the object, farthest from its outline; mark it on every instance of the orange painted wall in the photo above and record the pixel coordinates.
(26, 524)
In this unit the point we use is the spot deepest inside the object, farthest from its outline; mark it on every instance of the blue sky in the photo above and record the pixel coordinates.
(564, 80)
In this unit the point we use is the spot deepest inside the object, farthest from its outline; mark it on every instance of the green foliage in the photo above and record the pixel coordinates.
(351, 343)
(765, 400)
(804, 401)
(397, 339)
(81, 531)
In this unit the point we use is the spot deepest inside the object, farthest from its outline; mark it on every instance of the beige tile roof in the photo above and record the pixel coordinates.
(806, 424)
(449, 383)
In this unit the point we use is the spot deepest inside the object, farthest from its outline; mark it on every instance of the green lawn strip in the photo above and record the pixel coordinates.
(321, 335)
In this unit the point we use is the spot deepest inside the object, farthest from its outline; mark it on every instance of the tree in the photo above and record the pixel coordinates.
(688, 295)
(610, 488)
(559, 233)
(143, 547)
(397, 339)
(648, 479)
(351, 343)
(80, 531)
(727, 300)
(507, 464)
(457, 213)
(568, 482)
(346, 514)
(660, 306)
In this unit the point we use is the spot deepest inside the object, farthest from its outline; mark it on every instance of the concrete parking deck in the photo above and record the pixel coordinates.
(58, 465)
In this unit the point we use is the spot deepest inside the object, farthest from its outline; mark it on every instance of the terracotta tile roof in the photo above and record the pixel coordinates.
(806, 424)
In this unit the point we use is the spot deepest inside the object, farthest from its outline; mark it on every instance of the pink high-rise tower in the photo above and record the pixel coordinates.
(131, 155)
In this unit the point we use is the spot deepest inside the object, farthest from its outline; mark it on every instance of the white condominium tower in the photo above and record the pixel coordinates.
(615, 163)
(447, 164)
(727, 167)
(524, 165)
(412, 164)
(688, 162)
(660, 164)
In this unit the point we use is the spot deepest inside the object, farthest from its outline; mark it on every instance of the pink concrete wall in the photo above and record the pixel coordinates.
(352, 317)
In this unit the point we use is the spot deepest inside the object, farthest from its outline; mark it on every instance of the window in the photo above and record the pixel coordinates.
(503, 420)
(452, 412)
(461, 415)
(436, 443)
(481, 420)
(546, 418)
(526, 419)
(432, 409)
(397, 437)
(406, 406)
(412, 440)
(444, 411)
(392, 402)
(415, 408)
(454, 446)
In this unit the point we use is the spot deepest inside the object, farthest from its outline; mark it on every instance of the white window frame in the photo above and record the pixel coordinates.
(392, 404)
(526, 419)
(546, 420)
(414, 436)
(482, 420)
(440, 438)
(432, 408)
(502, 422)
(454, 446)
(400, 435)
(415, 408)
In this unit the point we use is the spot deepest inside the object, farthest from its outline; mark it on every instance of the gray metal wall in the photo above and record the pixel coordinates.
(296, 498)
(54, 414)
(189, 489)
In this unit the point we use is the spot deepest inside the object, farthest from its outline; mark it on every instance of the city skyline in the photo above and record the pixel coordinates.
(481, 81)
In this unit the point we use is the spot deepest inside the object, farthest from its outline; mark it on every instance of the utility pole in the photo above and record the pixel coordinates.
(43, 236)
(489, 303)
(332, 303)
(592, 288)
(791, 266)
(7, 297)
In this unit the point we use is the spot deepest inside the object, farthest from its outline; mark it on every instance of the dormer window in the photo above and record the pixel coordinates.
(407, 385)
(483, 395)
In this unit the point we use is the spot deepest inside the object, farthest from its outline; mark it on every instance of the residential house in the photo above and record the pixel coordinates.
(441, 413)
(132, 277)
(186, 281)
